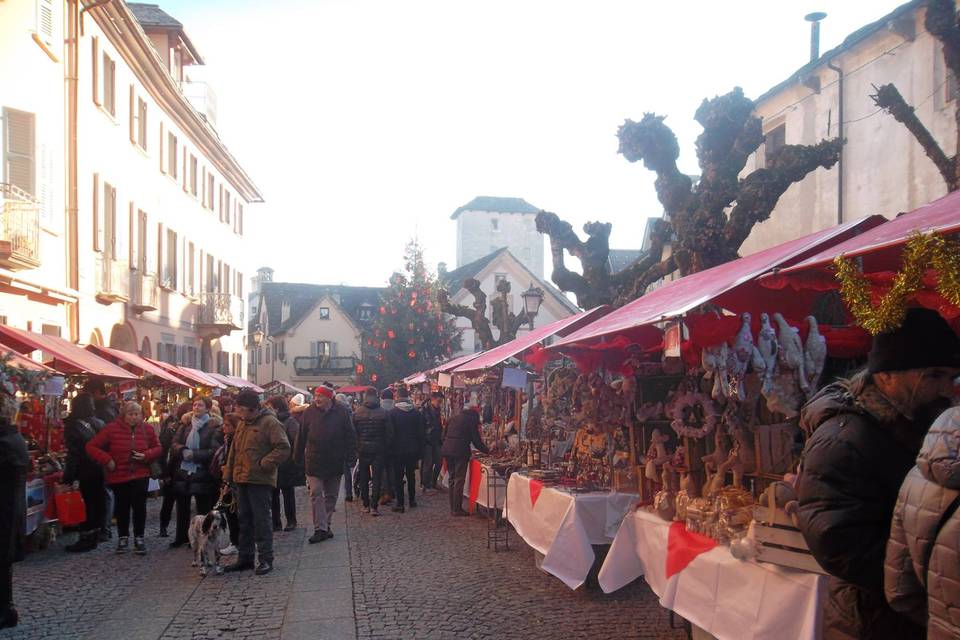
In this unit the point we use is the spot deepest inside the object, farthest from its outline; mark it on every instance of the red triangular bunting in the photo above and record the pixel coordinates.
(683, 547)
(476, 474)
(535, 488)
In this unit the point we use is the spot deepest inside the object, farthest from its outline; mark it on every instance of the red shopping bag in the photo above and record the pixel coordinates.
(70, 508)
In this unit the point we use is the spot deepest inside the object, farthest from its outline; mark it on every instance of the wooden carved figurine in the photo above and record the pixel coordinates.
(657, 456)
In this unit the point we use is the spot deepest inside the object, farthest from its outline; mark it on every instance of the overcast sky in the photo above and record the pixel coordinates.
(367, 122)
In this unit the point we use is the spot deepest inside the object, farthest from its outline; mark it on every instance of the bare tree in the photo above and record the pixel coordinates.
(941, 22)
(507, 323)
(704, 224)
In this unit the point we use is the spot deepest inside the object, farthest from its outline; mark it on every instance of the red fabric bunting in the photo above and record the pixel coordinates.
(476, 475)
(535, 488)
(683, 547)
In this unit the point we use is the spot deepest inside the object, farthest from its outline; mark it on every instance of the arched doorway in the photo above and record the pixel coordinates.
(96, 339)
(145, 349)
(122, 337)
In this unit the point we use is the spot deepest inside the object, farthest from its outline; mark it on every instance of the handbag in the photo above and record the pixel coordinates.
(71, 509)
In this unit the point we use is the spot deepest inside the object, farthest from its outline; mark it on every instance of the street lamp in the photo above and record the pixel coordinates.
(532, 299)
(257, 337)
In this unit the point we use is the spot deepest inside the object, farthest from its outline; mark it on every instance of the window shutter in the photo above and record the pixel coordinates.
(314, 348)
(95, 71)
(19, 150)
(186, 174)
(97, 218)
(161, 254)
(133, 116)
(111, 89)
(221, 203)
(45, 21)
(163, 166)
(333, 349)
(240, 220)
(110, 216)
(132, 237)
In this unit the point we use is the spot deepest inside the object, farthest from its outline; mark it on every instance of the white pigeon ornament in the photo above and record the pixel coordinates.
(739, 360)
(791, 350)
(814, 355)
(768, 347)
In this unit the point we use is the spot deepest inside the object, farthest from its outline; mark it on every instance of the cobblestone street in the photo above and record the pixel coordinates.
(420, 574)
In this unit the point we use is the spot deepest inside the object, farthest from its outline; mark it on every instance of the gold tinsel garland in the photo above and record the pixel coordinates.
(921, 252)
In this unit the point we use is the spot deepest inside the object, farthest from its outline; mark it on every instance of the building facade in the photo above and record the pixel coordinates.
(883, 169)
(141, 227)
(499, 265)
(309, 334)
(488, 223)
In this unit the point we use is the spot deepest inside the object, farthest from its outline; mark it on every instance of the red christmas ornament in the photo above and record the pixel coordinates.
(411, 354)
(391, 334)
(383, 311)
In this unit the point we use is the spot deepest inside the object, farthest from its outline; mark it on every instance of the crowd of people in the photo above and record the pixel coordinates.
(245, 457)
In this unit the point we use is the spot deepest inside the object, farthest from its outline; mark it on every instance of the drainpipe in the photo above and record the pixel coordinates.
(72, 233)
(839, 73)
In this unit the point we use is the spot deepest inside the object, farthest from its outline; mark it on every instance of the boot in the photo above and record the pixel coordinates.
(86, 542)
(8, 617)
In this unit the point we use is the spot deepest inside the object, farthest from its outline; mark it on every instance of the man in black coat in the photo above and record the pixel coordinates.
(326, 442)
(433, 432)
(463, 430)
(374, 434)
(408, 441)
(14, 463)
(867, 432)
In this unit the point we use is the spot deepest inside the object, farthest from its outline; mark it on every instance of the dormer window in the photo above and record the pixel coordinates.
(365, 313)
(284, 312)
(324, 313)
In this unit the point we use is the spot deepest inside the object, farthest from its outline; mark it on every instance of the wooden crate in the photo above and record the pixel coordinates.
(774, 444)
(781, 542)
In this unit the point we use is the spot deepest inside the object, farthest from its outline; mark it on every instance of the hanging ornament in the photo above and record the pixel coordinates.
(391, 334)
(410, 326)
(411, 354)
(383, 311)
(384, 345)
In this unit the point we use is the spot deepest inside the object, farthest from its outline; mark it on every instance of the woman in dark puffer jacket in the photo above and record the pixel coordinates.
(79, 428)
(199, 437)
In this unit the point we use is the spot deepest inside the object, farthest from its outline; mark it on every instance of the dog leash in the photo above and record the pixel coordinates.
(226, 501)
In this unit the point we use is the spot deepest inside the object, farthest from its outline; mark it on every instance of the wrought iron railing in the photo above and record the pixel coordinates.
(323, 365)
(19, 225)
(220, 309)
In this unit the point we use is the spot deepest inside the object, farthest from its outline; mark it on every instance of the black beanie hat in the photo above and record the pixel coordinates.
(248, 398)
(923, 340)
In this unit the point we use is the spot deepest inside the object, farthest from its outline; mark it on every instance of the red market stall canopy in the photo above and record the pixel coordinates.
(64, 356)
(357, 388)
(203, 375)
(137, 364)
(879, 248)
(190, 375)
(731, 286)
(504, 352)
(233, 381)
(281, 386)
(22, 362)
(416, 378)
(450, 365)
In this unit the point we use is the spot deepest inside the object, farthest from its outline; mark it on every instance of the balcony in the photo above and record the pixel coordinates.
(19, 229)
(218, 314)
(113, 280)
(144, 293)
(324, 366)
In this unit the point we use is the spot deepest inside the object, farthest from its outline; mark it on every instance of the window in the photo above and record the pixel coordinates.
(19, 150)
(191, 269)
(109, 225)
(141, 126)
(365, 312)
(172, 155)
(45, 21)
(192, 171)
(494, 225)
(773, 141)
(237, 364)
(109, 85)
(498, 278)
(144, 254)
(239, 288)
(322, 349)
(224, 205)
(210, 192)
(324, 313)
(283, 351)
(168, 277)
(95, 69)
(239, 225)
(223, 363)
(950, 87)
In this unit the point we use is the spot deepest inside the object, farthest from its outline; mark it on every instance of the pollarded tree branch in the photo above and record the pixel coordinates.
(888, 98)
(760, 191)
(476, 315)
(593, 254)
(654, 143)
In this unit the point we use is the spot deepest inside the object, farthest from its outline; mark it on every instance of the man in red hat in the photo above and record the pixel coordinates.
(325, 443)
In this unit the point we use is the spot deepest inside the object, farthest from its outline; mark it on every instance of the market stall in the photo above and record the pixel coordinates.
(701, 581)
(281, 387)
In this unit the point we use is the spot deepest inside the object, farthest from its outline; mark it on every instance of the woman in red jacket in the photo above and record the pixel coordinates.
(125, 448)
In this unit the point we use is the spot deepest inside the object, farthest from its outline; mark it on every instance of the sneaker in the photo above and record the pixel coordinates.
(9, 617)
(374, 511)
(329, 533)
(123, 544)
(86, 542)
(229, 551)
(139, 547)
(318, 536)
(263, 568)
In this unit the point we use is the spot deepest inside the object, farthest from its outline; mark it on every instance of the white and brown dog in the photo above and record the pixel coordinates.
(207, 536)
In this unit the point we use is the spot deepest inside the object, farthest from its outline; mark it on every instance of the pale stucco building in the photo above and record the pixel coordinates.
(125, 215)
(488, 223)
(883, 170)
(310, 333)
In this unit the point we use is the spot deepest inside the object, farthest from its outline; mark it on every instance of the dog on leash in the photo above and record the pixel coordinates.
(207, 536)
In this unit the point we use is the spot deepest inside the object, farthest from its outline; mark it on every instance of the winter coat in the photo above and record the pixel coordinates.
(851, 471)
(258, 447)
(168, 431)
(77, 432)
(290, 473)
(14, 464)
(922, 570)
(433, 424)
(117, 441)
(326, 441)
(106, 409)
(200, 482)
(462, 431)
(374, 428)
(408, 429)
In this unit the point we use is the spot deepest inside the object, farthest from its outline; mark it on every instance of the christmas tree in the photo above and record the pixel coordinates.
(410, 333)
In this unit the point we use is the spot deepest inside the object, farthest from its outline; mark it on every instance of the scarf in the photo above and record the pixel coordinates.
(193, 443)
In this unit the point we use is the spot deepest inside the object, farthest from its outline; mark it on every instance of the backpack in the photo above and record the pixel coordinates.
(217, 461)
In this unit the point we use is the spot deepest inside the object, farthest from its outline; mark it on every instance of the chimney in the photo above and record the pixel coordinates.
(814, 20)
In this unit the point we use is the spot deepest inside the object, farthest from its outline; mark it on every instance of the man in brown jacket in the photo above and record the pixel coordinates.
(259, 446)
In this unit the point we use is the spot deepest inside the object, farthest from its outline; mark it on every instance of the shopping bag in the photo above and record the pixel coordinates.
(70, 508)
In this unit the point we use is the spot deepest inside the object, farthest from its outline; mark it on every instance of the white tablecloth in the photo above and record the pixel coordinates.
(562, 526)
(720, 594)
(484, 497)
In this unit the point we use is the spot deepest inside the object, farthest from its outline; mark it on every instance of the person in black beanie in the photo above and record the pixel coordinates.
(14, 464)
(866, 433)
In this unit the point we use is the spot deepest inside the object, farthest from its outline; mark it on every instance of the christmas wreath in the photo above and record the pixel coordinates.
(687, 402)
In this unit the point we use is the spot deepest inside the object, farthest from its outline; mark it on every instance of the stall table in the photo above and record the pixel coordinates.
(563, 526)
(725, 597)
(480, 486)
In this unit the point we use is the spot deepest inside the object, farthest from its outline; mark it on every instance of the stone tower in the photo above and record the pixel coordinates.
(488, 223)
